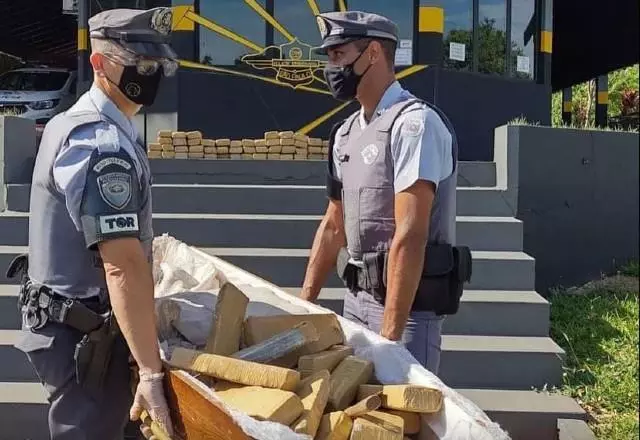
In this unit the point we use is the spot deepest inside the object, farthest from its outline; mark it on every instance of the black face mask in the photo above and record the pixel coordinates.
(343, 81)
(141, 89)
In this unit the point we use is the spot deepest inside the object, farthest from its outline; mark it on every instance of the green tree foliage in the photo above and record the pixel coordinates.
(492, 50)
(623, 92)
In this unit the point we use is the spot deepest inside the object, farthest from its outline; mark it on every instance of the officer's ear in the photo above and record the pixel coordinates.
(97, 62)
(376, 51)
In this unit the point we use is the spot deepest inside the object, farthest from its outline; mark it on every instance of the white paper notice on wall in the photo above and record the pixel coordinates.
(457, 51)
(522, 64)
(404, 53)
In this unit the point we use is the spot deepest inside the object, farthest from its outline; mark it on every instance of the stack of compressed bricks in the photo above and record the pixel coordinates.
(296, 370)
(285, 145)
(178, 145)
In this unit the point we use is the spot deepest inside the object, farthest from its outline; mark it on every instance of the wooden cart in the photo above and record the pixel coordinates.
(195, 415)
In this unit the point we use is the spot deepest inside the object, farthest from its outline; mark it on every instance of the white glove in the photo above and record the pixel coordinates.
(150, 396)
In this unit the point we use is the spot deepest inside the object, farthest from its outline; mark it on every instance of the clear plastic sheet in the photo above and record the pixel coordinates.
(193, 278)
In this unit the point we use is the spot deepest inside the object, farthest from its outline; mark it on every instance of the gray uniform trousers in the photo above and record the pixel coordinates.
(73, 413)
(422, 334)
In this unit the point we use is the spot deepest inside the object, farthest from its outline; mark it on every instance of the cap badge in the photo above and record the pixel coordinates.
(322, 27)
(161, 21)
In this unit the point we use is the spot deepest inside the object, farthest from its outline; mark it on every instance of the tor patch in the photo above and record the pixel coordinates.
(115, 189)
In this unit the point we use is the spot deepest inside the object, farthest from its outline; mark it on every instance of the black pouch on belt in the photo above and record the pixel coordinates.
(446, 269)
(93, 355)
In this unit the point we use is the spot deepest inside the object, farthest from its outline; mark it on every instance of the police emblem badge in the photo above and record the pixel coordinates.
(322, 26)
(161, 20)
(370, 153)
(115, 189)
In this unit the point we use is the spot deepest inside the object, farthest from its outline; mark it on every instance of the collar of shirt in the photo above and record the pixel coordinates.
(392, 95)
(105, 105)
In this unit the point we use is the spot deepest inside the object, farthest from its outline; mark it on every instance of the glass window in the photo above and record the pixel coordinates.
(298, 19)
(458, 34)
(523, 31)
(492, 36)
(400, 11)
(237, 17)
(33, 80)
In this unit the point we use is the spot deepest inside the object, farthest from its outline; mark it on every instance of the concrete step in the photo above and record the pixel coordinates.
(526, 415)
(272, 199)
(286, 267)
(277, 231)
(573, 429)
(500, 362)
(258, 172)
(488, 313)
(23, 411)
(482, 312)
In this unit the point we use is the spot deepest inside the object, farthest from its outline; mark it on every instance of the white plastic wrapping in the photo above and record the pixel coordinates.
(179, 268)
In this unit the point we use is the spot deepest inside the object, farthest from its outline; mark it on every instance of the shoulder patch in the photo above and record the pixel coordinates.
(413, 126)
(115, 189)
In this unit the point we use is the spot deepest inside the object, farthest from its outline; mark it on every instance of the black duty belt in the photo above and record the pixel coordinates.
(41, 305)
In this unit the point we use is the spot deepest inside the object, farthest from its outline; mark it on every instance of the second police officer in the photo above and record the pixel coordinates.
(88, 298)
(390, 223)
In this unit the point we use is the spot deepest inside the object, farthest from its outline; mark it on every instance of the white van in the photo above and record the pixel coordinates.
(37, 93)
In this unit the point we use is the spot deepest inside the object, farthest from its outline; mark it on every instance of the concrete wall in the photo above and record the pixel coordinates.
(577, 194)
(17, 149)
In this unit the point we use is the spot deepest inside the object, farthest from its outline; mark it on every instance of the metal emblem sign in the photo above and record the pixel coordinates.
(291, 62)
(115, 189)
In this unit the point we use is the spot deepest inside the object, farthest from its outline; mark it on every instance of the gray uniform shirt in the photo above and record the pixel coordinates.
(91, 183)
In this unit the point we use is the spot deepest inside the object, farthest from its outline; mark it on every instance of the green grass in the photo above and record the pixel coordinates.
(597, 325)
(524, 122)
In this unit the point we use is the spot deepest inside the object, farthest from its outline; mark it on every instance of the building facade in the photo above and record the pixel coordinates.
(247, 68)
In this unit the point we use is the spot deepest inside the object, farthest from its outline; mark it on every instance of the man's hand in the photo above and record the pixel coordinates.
(406, 255)
(150, 397)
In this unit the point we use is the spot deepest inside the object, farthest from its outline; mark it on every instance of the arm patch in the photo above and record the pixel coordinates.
(112, 198)
(334, 186)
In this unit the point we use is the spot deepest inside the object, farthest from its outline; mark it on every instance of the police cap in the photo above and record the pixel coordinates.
(337, 28)
(141, 31)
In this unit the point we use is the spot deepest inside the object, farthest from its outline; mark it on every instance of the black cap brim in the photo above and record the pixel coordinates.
(154, 50)
(332, 42)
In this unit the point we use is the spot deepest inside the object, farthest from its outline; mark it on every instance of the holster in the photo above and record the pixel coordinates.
(446, 269)
(93, 355)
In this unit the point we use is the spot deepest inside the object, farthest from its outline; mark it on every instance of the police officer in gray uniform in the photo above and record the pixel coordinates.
(87, 297)
(390, 224)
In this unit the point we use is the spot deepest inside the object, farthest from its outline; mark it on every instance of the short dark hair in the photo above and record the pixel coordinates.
(388, 48)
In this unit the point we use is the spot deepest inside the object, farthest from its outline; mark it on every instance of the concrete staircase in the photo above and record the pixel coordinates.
(262, 216)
